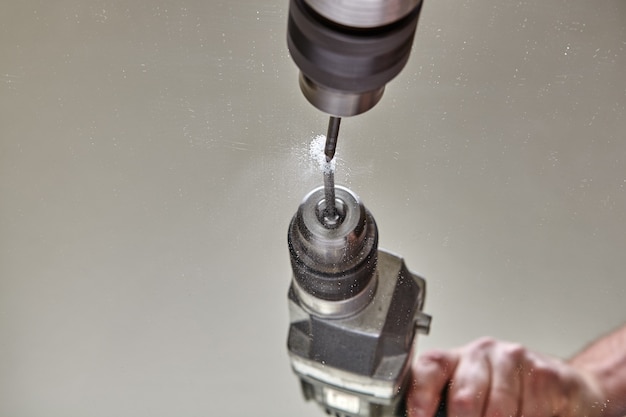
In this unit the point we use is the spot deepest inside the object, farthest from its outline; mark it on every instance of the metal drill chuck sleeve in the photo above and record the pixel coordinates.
(343, 67)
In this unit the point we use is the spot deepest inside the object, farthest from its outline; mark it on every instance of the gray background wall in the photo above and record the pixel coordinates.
(153, 152)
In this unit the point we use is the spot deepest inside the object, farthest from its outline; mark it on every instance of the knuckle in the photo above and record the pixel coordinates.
(479, 347)
(433, 359)
(545, 378)
(485, 342)
(544, 373)
(436, 356)
(510, 356)
(515, 351)
(432, 365)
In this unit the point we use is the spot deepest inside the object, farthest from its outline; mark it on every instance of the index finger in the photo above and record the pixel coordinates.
(430, 374)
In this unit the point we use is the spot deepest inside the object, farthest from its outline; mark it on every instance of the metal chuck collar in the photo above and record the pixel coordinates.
(333, 259)
(354, 310)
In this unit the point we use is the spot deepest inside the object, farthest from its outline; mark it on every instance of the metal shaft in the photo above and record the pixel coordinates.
(330, 215)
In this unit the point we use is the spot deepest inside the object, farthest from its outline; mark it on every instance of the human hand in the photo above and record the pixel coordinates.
(498, 379)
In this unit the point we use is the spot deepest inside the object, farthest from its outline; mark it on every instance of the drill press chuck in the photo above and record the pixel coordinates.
(348, 51)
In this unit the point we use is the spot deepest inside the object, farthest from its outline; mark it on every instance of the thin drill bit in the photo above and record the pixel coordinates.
(330, 212)
(331, 138)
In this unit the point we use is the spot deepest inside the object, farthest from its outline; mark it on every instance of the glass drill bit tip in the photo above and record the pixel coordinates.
(331, 138)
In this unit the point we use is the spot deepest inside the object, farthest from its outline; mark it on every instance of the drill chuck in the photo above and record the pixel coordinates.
(348, 51)
(333, 260)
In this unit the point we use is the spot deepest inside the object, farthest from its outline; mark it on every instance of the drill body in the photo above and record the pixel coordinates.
(354, 310)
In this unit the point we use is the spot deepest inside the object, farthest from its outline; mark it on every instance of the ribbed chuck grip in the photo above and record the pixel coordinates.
(336, 263)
